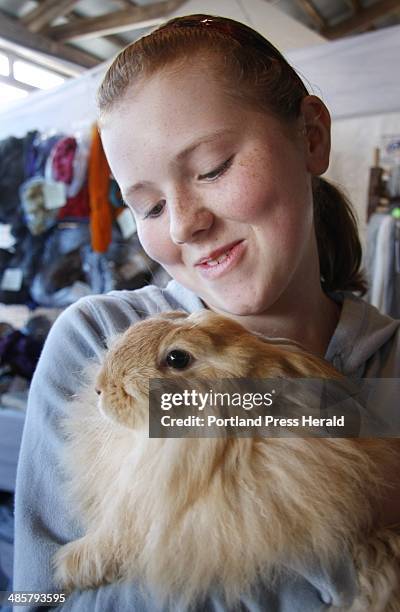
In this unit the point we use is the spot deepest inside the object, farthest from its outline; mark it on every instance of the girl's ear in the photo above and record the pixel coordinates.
(317, 134)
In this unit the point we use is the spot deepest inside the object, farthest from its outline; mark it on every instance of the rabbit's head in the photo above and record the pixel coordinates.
(202, 345)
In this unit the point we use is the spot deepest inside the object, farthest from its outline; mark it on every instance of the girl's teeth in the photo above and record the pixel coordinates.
(214, 262)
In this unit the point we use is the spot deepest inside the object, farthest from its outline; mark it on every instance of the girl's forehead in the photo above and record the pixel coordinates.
(171, 106)
(188, 94)
(170, 112)
(186, 86)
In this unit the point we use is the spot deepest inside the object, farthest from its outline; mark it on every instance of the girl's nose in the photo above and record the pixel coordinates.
(188, 219)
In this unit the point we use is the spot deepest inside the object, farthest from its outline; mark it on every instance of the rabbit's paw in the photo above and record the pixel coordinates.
(77, 566)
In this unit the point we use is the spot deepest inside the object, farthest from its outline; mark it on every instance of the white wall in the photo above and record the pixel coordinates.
(353, 144)
(356, 75)
(69, 107)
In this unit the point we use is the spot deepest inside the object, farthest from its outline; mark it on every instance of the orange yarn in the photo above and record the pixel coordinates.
(100, 207)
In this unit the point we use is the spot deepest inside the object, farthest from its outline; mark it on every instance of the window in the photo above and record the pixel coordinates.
(8, 94)
(35, 76)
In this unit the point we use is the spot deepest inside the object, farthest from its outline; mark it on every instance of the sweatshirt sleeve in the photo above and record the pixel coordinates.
(42, 519)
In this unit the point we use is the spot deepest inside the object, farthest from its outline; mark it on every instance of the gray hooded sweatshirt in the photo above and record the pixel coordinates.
(364, 344)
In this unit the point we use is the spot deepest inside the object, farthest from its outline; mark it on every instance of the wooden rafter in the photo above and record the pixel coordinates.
(127, 3)
(355, 5)
(14, 31)
(75, 17)
(362, 20)
(42, 60)
(46, 12)
(119, 21)
(316, 17)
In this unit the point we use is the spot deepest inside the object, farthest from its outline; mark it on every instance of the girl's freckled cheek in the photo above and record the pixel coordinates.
(249, 196)
(253, 189)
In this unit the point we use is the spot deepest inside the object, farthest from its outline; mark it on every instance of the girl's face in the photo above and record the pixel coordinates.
(221, 194)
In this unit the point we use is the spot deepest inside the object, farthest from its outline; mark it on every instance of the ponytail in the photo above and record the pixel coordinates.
(339, 245)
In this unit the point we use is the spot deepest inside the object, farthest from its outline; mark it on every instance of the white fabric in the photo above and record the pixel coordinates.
(381, 274)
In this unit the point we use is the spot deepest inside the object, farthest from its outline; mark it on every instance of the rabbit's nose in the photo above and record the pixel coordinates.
(98, 391)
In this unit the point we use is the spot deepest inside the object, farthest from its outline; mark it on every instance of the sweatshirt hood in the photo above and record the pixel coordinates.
(362, 331)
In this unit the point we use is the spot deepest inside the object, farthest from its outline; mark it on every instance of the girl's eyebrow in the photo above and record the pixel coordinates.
(186, 152)
(215, 135)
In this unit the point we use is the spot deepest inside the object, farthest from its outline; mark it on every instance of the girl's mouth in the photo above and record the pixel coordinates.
(215, 267)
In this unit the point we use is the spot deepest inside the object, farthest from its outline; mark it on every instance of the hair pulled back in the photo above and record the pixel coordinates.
(253, 71)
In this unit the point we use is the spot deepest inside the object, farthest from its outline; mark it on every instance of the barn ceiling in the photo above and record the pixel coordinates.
(80, 34)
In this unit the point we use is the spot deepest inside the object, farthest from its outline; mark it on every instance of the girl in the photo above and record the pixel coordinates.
(218, 149)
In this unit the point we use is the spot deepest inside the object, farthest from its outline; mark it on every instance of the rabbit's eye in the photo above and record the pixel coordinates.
(178, 359)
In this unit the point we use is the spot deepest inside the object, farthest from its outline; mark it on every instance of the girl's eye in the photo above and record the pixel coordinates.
(214, 174)
(156, 210)
(210, 176)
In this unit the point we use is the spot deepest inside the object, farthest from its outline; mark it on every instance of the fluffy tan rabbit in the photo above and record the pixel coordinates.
(239, 507)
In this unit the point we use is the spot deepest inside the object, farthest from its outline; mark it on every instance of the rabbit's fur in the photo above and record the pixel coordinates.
(185, 516)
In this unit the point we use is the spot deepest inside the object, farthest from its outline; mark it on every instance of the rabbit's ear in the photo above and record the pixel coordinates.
(110, 341)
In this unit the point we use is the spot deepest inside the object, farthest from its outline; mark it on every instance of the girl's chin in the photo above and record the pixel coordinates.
(237, 308)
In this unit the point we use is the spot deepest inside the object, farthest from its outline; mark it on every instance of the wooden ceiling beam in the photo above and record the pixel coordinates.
(136, 17)
(127, 3)
(315, 16)
(354, 5)
(12, 30)
(46, 12)
(74, 16)
(362, 20)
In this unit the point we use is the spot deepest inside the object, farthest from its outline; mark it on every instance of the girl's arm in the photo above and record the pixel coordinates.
(42, 519)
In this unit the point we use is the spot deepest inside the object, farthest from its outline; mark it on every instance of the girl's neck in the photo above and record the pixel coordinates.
(311, 321)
